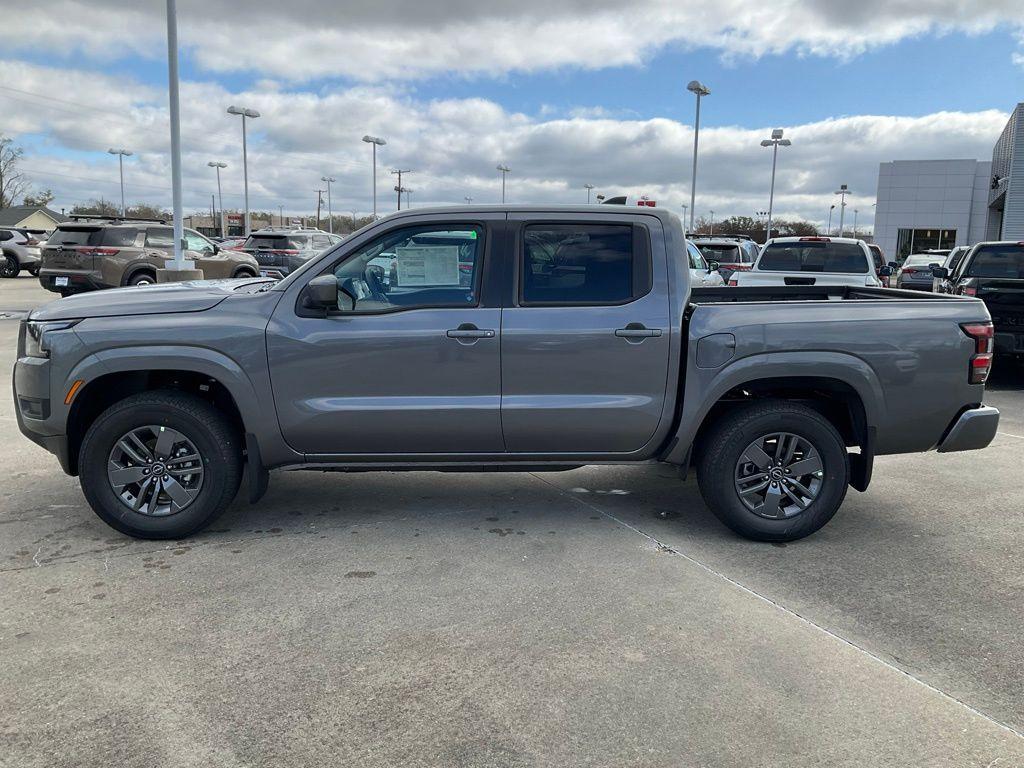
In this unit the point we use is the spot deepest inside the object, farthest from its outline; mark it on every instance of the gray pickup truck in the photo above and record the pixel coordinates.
(498, 338)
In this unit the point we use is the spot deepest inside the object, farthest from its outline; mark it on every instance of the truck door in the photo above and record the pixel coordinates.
(585, 344)
(412, 365)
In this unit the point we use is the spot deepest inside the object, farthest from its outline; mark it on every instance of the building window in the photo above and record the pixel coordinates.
(911, 241)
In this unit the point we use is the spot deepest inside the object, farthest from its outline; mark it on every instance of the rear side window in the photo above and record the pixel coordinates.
(75, 236)
(120, 237)
(584, 264)
(998, 261)
(275, 242)
(696, 259)
(813, 256)
(160, 237)
(876, 256)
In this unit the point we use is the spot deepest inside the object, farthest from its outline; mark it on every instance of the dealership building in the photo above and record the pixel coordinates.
(924, 204)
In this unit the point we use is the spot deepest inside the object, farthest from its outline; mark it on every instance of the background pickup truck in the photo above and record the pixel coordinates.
(994, 273)
(504, 338)
(797, 261)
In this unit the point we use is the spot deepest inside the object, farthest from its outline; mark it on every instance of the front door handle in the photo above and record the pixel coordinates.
(470, 331)
(637, 331)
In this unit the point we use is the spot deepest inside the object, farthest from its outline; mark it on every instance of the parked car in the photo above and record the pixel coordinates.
(732, 254)
(233, 243)
(20, 250)
(91, 253)
(577, 340)
(279, 250)
(812, 261)
(994, 273)
(703, 273)
(878, 258)
(951, 262)
(915, 274)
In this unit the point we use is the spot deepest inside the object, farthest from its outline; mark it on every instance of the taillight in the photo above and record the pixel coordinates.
(733, 283)
(99, 251)
(31, 241)
(981, 360)
(815, 239)
(969, 290)
(909, 271)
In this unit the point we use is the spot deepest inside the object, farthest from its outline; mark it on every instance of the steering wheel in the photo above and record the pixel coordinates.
(375, 283)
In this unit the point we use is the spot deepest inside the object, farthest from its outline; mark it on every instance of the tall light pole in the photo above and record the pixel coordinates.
(376, 141)
(774, 142)
(252, 114)
(854, 223)
(398, 187)
(330, 211)
(685, 206)
(843, 191)
(711, 231)
(220, 200)
(699, 89)
(469, 200)
(588, 187)
(828, 230)
(121, 155)
(408, 198)
(760, 218)
(504, 170)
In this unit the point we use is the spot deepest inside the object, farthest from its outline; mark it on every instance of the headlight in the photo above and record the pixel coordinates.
(36, 333)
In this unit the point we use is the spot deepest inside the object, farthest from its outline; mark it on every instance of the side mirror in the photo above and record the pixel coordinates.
(322, 292)
(885, 272)
(940, 272)
(713, 266)
(894, 265)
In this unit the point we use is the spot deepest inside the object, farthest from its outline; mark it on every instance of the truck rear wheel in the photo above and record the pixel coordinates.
(773, 470)
(160, 465)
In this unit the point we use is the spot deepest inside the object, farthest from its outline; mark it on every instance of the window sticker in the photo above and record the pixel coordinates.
(427, 265)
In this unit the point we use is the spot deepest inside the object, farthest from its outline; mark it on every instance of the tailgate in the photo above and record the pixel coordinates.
(71, 248)
(1005, 302)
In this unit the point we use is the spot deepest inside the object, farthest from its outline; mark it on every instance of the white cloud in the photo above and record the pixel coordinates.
(452, 146)
(406, 39)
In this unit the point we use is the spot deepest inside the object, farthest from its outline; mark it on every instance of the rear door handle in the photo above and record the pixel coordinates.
(637, 331)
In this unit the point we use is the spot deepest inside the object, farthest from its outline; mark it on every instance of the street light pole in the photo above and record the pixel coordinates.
(828, 230)
(504, 169)
(685, 207)
(699, 89)
(121, 155)
(843, 191)
(245, 113)
(376, 141)
(330, 211)
(469, 200)
(588, 187)
(220, 200)
(854, 223)
(711, 230)
(774, 142)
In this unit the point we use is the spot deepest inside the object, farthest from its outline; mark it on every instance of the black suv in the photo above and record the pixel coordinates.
(91, 253)
(279, 250)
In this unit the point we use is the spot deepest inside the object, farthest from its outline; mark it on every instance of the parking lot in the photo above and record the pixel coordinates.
(594, 617)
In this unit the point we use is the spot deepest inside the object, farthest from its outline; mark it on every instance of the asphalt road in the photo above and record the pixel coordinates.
(596, 617)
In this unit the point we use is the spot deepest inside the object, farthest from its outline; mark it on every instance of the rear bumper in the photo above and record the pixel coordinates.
(974, 428)
(78, 280)
(1008, 342)
(914, 285)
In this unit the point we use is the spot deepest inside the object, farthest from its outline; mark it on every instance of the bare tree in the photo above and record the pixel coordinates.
(98, 207)
(13, 183)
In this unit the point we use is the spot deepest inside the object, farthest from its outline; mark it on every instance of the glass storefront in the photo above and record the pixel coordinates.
(920, 240)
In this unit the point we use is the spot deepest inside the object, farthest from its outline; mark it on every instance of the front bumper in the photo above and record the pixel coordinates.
(32, 408)
(974, 428)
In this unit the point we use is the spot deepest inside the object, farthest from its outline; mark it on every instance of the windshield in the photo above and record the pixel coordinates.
(814, 256)
(998, 261)
(721, 252)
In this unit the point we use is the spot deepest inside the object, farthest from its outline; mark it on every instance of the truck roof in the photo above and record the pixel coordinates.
(605, 210)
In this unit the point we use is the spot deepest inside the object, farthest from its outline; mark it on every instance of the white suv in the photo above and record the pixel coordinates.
(21, 250)
(812, 261)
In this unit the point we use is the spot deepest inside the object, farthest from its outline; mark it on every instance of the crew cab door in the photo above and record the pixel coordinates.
(412, 365)
(585, 340)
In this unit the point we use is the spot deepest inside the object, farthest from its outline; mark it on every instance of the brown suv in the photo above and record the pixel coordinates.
(90, 254)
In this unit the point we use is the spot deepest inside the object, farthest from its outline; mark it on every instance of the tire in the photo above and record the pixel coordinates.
(34, 270)
(201, 428)
(244, 273)
(724, 468)
(9, 266)
(142, 278)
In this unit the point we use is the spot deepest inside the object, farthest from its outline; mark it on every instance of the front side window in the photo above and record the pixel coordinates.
(814, 256)
(696, 260)
(413, 267)
(196, 242)
(320, 242)
(590, 264)
(120, 237)
(998, 261)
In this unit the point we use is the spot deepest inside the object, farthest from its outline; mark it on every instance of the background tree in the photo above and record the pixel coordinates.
(144, 211)
(98, 207)
(13, 183)
(40, 198)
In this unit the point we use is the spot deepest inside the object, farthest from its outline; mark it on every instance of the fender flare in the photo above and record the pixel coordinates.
(838, 366)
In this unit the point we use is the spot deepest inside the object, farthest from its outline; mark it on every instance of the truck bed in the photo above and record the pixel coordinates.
(700, 296)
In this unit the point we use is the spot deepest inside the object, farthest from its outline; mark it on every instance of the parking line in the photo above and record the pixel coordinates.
(1007, 434)
(789, 611)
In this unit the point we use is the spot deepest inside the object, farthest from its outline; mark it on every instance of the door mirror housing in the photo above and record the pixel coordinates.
(322, 292)
(894, 265)
(940, 272)
(713, 266)
(885, 271)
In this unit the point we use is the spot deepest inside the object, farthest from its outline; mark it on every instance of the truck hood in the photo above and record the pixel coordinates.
(158, 299)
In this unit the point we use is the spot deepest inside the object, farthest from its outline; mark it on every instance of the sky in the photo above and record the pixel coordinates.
(567, 94)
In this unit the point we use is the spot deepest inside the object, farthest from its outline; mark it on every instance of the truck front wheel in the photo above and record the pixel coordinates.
(160, 465)
(773, 470)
